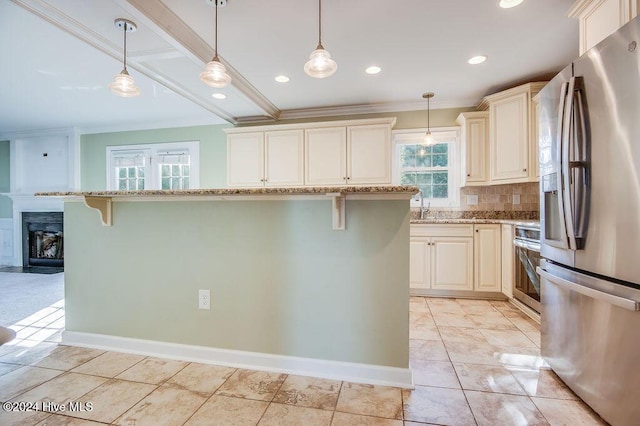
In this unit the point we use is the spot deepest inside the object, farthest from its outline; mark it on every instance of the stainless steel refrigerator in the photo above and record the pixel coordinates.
(589, 130)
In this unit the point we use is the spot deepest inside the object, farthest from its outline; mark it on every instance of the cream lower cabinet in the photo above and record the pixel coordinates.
(450, 258)
(487, 250)
(441, 257)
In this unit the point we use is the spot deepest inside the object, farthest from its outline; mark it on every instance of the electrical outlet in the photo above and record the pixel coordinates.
(516, 198)
(472, 200)
(204, 299)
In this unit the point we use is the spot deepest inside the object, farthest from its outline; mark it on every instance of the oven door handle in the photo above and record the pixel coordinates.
(527, 245)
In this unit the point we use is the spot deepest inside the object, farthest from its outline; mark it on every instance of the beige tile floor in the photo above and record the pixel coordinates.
(474, 363)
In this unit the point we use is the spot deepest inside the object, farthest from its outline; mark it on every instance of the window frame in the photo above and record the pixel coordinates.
(153, 176)
(414, 136)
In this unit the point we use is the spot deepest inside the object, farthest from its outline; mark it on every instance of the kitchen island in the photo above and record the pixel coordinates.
(302, 280)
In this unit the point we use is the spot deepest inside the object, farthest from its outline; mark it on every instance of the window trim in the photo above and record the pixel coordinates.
(154, 149)
(413, 136)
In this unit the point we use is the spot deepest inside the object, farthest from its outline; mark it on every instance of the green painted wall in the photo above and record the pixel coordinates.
(6, 207)
(213, 152)
(281, 280)
(213, 148)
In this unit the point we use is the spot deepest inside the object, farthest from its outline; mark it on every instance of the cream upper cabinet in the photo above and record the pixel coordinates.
(487, 249)
(326, 156)
(273, 158)
(509, 148)
(245, 159)
(513, 141)
(333, 153)
(369, 154)
(284, 159)
(600, 18)
(475, 144)
(349, 155)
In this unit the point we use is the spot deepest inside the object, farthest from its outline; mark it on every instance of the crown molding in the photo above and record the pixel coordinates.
(372, 108)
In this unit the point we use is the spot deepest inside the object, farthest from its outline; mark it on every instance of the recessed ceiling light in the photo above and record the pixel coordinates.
(282, 79)
(506, 4)
(477, 60)
(373, 70)
(219, 96)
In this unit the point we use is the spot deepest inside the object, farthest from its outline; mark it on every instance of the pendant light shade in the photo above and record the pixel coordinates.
(215, 73)
(428, 138)
(320, 64)
(123, 84)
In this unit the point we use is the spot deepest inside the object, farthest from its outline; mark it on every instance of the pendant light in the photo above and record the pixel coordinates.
(428, 137)
(320, 64)
(215, 73)
(123, 84)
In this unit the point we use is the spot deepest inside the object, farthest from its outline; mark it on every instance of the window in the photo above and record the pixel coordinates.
(154, 166)
(129, 170)
(434, 169)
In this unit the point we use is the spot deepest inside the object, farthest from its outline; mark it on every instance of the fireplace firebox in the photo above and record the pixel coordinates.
(42, 239)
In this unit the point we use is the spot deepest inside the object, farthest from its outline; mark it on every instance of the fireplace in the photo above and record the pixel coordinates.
(42, 239)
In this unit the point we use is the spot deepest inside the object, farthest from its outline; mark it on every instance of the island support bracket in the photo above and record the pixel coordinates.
(338, 207)
(104, 205)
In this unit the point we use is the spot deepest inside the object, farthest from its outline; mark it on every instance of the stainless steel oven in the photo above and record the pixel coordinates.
(527, 253)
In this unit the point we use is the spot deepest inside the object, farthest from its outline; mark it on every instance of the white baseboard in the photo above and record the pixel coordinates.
(336, 370)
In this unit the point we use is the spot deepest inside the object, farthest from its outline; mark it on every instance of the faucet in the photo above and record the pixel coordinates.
(422, 209)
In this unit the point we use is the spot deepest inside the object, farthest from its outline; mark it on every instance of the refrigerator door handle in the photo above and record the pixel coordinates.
(562, 110)
(566, 142)
(581, 162)
(621, 302)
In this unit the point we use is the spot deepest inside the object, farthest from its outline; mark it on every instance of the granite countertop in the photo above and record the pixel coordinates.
(450, 221)
(529, 218)
(382, 189)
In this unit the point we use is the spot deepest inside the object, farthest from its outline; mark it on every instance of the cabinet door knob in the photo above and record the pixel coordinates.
(524, 170)
(476, 230)
(468, 174)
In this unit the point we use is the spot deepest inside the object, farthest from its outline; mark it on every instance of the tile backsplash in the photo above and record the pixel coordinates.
(501, 197)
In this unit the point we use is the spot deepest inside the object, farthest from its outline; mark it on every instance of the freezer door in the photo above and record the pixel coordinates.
(610, 74)
(551, 118)
(590, 336)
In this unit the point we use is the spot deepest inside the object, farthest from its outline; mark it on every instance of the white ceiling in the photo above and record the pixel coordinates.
(60, 55)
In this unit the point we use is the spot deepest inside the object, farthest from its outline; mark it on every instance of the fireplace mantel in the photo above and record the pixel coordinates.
(28, 202)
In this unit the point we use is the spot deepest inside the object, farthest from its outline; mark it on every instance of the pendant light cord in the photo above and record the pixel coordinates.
(216, 39)
(125, 45)
(320, 25)
(429, 114)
